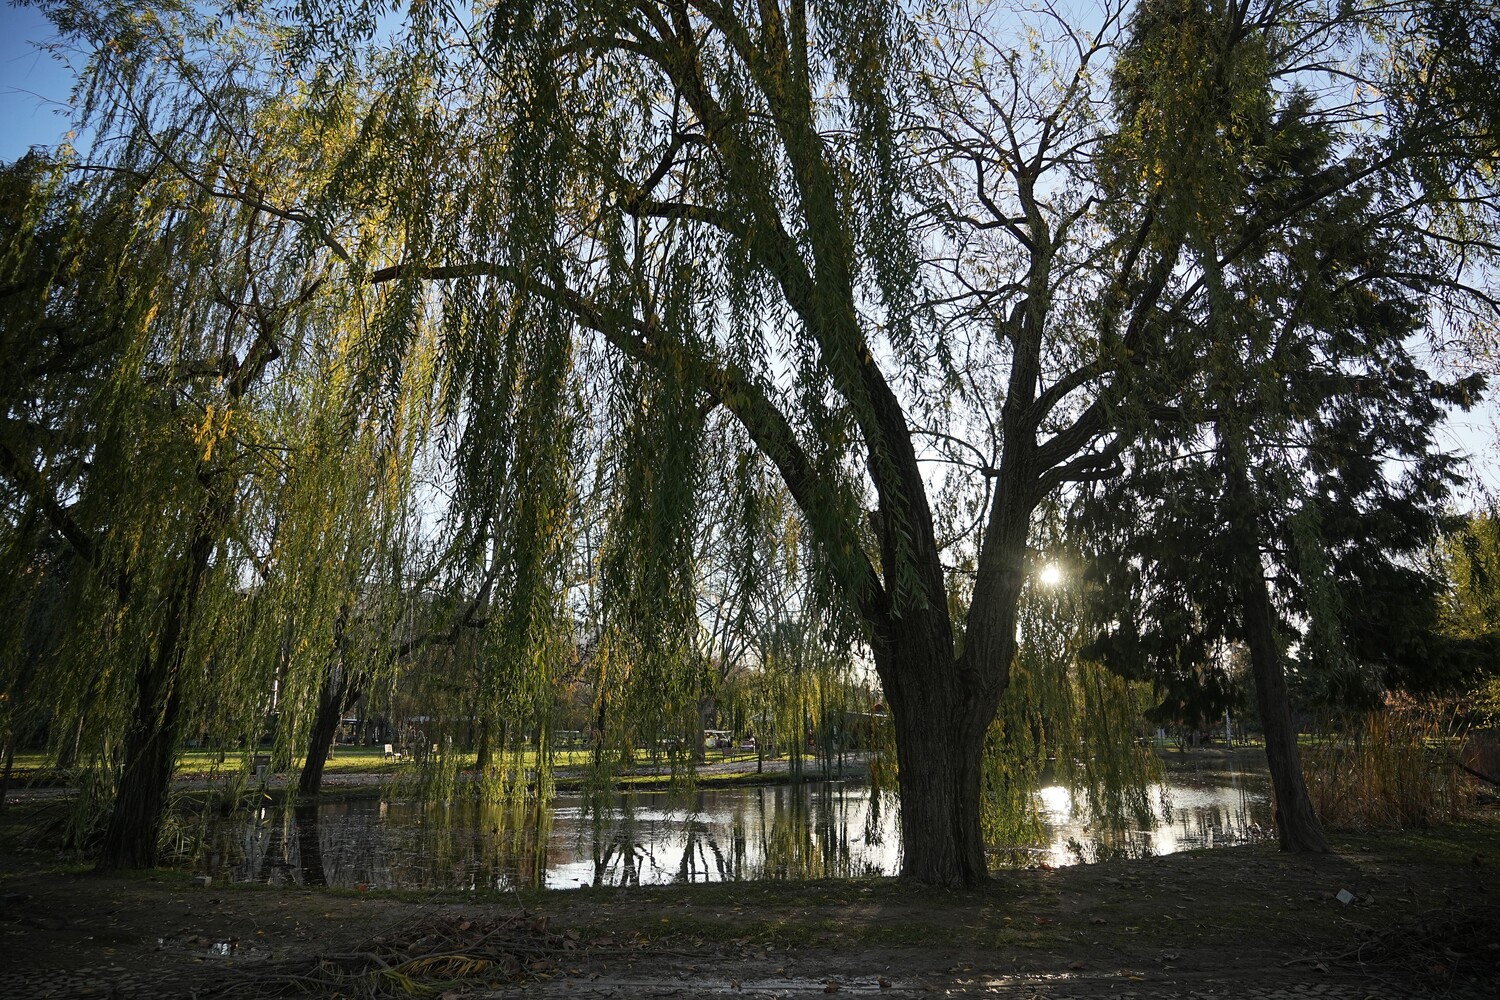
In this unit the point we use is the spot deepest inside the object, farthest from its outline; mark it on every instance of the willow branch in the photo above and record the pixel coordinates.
(727, 383)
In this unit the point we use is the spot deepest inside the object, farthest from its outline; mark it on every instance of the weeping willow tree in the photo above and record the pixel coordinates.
(179, 335)
(711, 215)
(714, 204)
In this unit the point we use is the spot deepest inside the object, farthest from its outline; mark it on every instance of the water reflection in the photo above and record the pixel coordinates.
(825, 830)
(828, 830)
(1191, 813)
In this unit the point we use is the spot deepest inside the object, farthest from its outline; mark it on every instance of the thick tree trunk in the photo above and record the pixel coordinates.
(1297, 826)
(939, 768)
(940, 723)
(337, 694)
(130, 839)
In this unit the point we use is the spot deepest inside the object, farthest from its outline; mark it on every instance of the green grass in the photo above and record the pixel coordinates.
(372, 760)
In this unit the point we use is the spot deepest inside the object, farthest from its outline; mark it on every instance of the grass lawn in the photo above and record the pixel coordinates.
(348, 760)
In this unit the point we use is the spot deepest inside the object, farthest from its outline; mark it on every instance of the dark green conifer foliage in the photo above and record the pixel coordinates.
(1283, 476)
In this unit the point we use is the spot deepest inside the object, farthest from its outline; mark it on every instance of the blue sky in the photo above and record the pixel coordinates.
(34, 86)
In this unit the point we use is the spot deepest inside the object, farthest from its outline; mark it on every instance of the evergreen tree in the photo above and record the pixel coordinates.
(1285, 477)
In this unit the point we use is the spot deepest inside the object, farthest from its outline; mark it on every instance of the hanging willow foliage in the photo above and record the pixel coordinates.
(419, 337)
(217, 484)
(1065, 720)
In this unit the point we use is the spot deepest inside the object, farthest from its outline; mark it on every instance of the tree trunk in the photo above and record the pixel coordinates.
(940, 724)
(484, 753)
(707, 705)
(1297, 826)
(338, 693)
(130, 839)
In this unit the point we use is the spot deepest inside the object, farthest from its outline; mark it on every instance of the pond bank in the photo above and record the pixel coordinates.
(1244, 922)
(30, 785)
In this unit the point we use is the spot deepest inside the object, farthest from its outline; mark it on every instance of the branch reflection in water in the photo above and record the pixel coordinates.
(810, 831)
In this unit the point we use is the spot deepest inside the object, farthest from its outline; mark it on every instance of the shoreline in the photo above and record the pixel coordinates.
(1229, 922)
(736, 772)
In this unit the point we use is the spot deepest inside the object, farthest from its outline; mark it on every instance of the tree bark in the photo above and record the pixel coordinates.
(484, 752)
(131, 838)
(337, 694)
(1297, 826)
(134, 829)
(940, 724)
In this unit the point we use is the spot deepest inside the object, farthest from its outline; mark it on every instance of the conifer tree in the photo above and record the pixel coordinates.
(1285, 473)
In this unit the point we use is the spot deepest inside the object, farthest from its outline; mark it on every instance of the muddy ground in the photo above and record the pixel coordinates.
(1423, 919)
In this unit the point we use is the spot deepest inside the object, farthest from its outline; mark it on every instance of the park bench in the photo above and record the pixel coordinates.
(392, 753)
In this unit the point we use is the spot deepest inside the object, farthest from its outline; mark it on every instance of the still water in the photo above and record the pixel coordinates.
(817, 830)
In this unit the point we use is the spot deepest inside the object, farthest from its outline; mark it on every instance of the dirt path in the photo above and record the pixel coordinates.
(1239, 922)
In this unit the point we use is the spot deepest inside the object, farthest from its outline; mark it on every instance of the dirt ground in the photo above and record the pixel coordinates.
(1422, 920)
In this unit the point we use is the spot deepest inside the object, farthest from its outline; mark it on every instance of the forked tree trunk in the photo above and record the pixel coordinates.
(940, 721)
(1297, 826)
(941, 805)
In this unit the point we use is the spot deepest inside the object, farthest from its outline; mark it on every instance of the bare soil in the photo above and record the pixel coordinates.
(1422, 920)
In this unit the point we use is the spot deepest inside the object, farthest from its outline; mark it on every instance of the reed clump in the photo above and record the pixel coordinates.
(1390, 769)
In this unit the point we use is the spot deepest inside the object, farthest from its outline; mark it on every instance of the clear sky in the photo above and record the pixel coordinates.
(34, 110)
(34, 86)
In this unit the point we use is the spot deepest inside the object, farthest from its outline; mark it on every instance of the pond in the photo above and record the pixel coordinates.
(813, 830)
